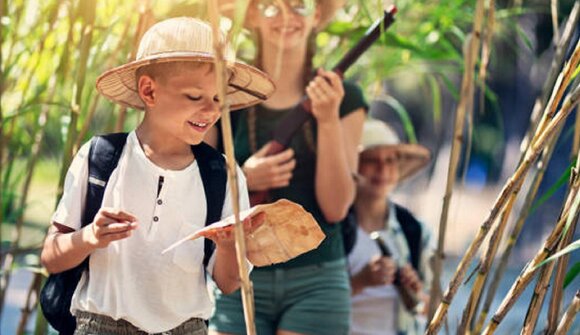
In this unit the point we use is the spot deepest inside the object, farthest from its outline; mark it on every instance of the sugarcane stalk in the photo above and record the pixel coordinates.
(485, 52)
(29, 304)
(569, 316)
(145, 21)
(466, 97)
(39, 135)
(531, 193)
(543, 283)
(240, 243)
(485, 264)
(537, 145)
(554, 15)
(516, 229)
(569, 212)
(561, 47)
(527, 275)
(2, 143)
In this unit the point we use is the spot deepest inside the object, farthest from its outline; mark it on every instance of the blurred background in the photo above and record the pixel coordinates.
(52, 51)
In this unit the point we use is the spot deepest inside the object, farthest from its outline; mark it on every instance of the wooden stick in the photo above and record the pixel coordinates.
(467, 89)
(221, 72)
(569, 316)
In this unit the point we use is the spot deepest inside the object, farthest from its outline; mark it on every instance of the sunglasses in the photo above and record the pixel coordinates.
(271, 8)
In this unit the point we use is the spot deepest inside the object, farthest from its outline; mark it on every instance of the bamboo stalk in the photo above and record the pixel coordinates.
(484, 266)
(28, 306)
(96, 98)
(538, 177)
(544, 280)
(547, 249)
(561, 47)
(2, 143)
(87, 10)
(554, 15)
(246, 284)
(485, 52)
(146, 19)
(524, 279)
(558, 284)
(531, 155)
(39, 134)
(465, 100)
(569, 316)
(516, 229)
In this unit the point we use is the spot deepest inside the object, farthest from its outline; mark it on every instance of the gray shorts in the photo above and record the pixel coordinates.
(96, 324)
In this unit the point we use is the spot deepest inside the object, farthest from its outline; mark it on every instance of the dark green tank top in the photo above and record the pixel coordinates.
(301, 188)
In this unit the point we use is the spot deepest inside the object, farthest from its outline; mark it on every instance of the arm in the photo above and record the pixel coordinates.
(337, 143)
(65, 248)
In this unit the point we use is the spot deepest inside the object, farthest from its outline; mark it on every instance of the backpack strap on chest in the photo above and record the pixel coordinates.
(104, 155)
(212, 168)
(412, 231)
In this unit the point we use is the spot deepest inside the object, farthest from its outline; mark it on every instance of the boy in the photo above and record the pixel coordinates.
(155, 194)
(377, 308)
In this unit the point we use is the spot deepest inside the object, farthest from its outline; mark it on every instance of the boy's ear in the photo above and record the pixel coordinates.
(146, 87)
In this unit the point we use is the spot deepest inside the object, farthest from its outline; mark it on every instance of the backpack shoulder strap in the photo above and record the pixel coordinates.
(412, 230)
(212, 167)
(104, 154)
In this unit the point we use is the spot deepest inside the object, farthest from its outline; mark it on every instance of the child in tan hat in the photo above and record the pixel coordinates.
(377, 303)
(157, 192)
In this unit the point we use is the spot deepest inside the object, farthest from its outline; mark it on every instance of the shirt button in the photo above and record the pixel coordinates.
(159, 201)
(155, 218)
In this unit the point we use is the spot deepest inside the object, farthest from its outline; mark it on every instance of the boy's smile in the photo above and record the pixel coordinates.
(182, 105)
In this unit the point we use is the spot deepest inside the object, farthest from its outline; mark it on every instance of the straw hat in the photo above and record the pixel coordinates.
(327, 10)
(287, 230)
(183, 39)
(413, 157)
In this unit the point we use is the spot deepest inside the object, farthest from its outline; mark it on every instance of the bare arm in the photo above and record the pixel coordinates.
(337, 143)
(226, 272)
(65, 248)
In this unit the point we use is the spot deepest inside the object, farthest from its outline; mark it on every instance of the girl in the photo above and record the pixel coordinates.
(309, 294)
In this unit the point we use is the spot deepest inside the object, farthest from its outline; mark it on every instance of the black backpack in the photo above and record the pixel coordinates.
(409, 224)
(105, 151)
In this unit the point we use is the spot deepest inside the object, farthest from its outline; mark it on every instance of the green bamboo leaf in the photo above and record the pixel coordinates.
(572, 274)
(553, 189)
(522, 34)
(403, 115)
(568, 249)
(436, 98)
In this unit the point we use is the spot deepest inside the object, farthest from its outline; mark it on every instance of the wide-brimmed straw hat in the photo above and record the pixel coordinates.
(412, 157)
(327, 10)
(184, 39)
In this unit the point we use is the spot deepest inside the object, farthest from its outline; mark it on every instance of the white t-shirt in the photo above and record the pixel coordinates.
(374, 309)
(130, 279)
(377, 310)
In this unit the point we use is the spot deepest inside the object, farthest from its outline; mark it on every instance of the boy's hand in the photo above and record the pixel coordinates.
(224, 236)
(266, 172)
(325, 92)
(109, 225)
(410, 278)
(379, 271)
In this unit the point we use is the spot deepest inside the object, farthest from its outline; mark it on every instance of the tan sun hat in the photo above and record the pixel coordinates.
(327, 10)
(412, 157)
(287, 230)
(184, 39)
